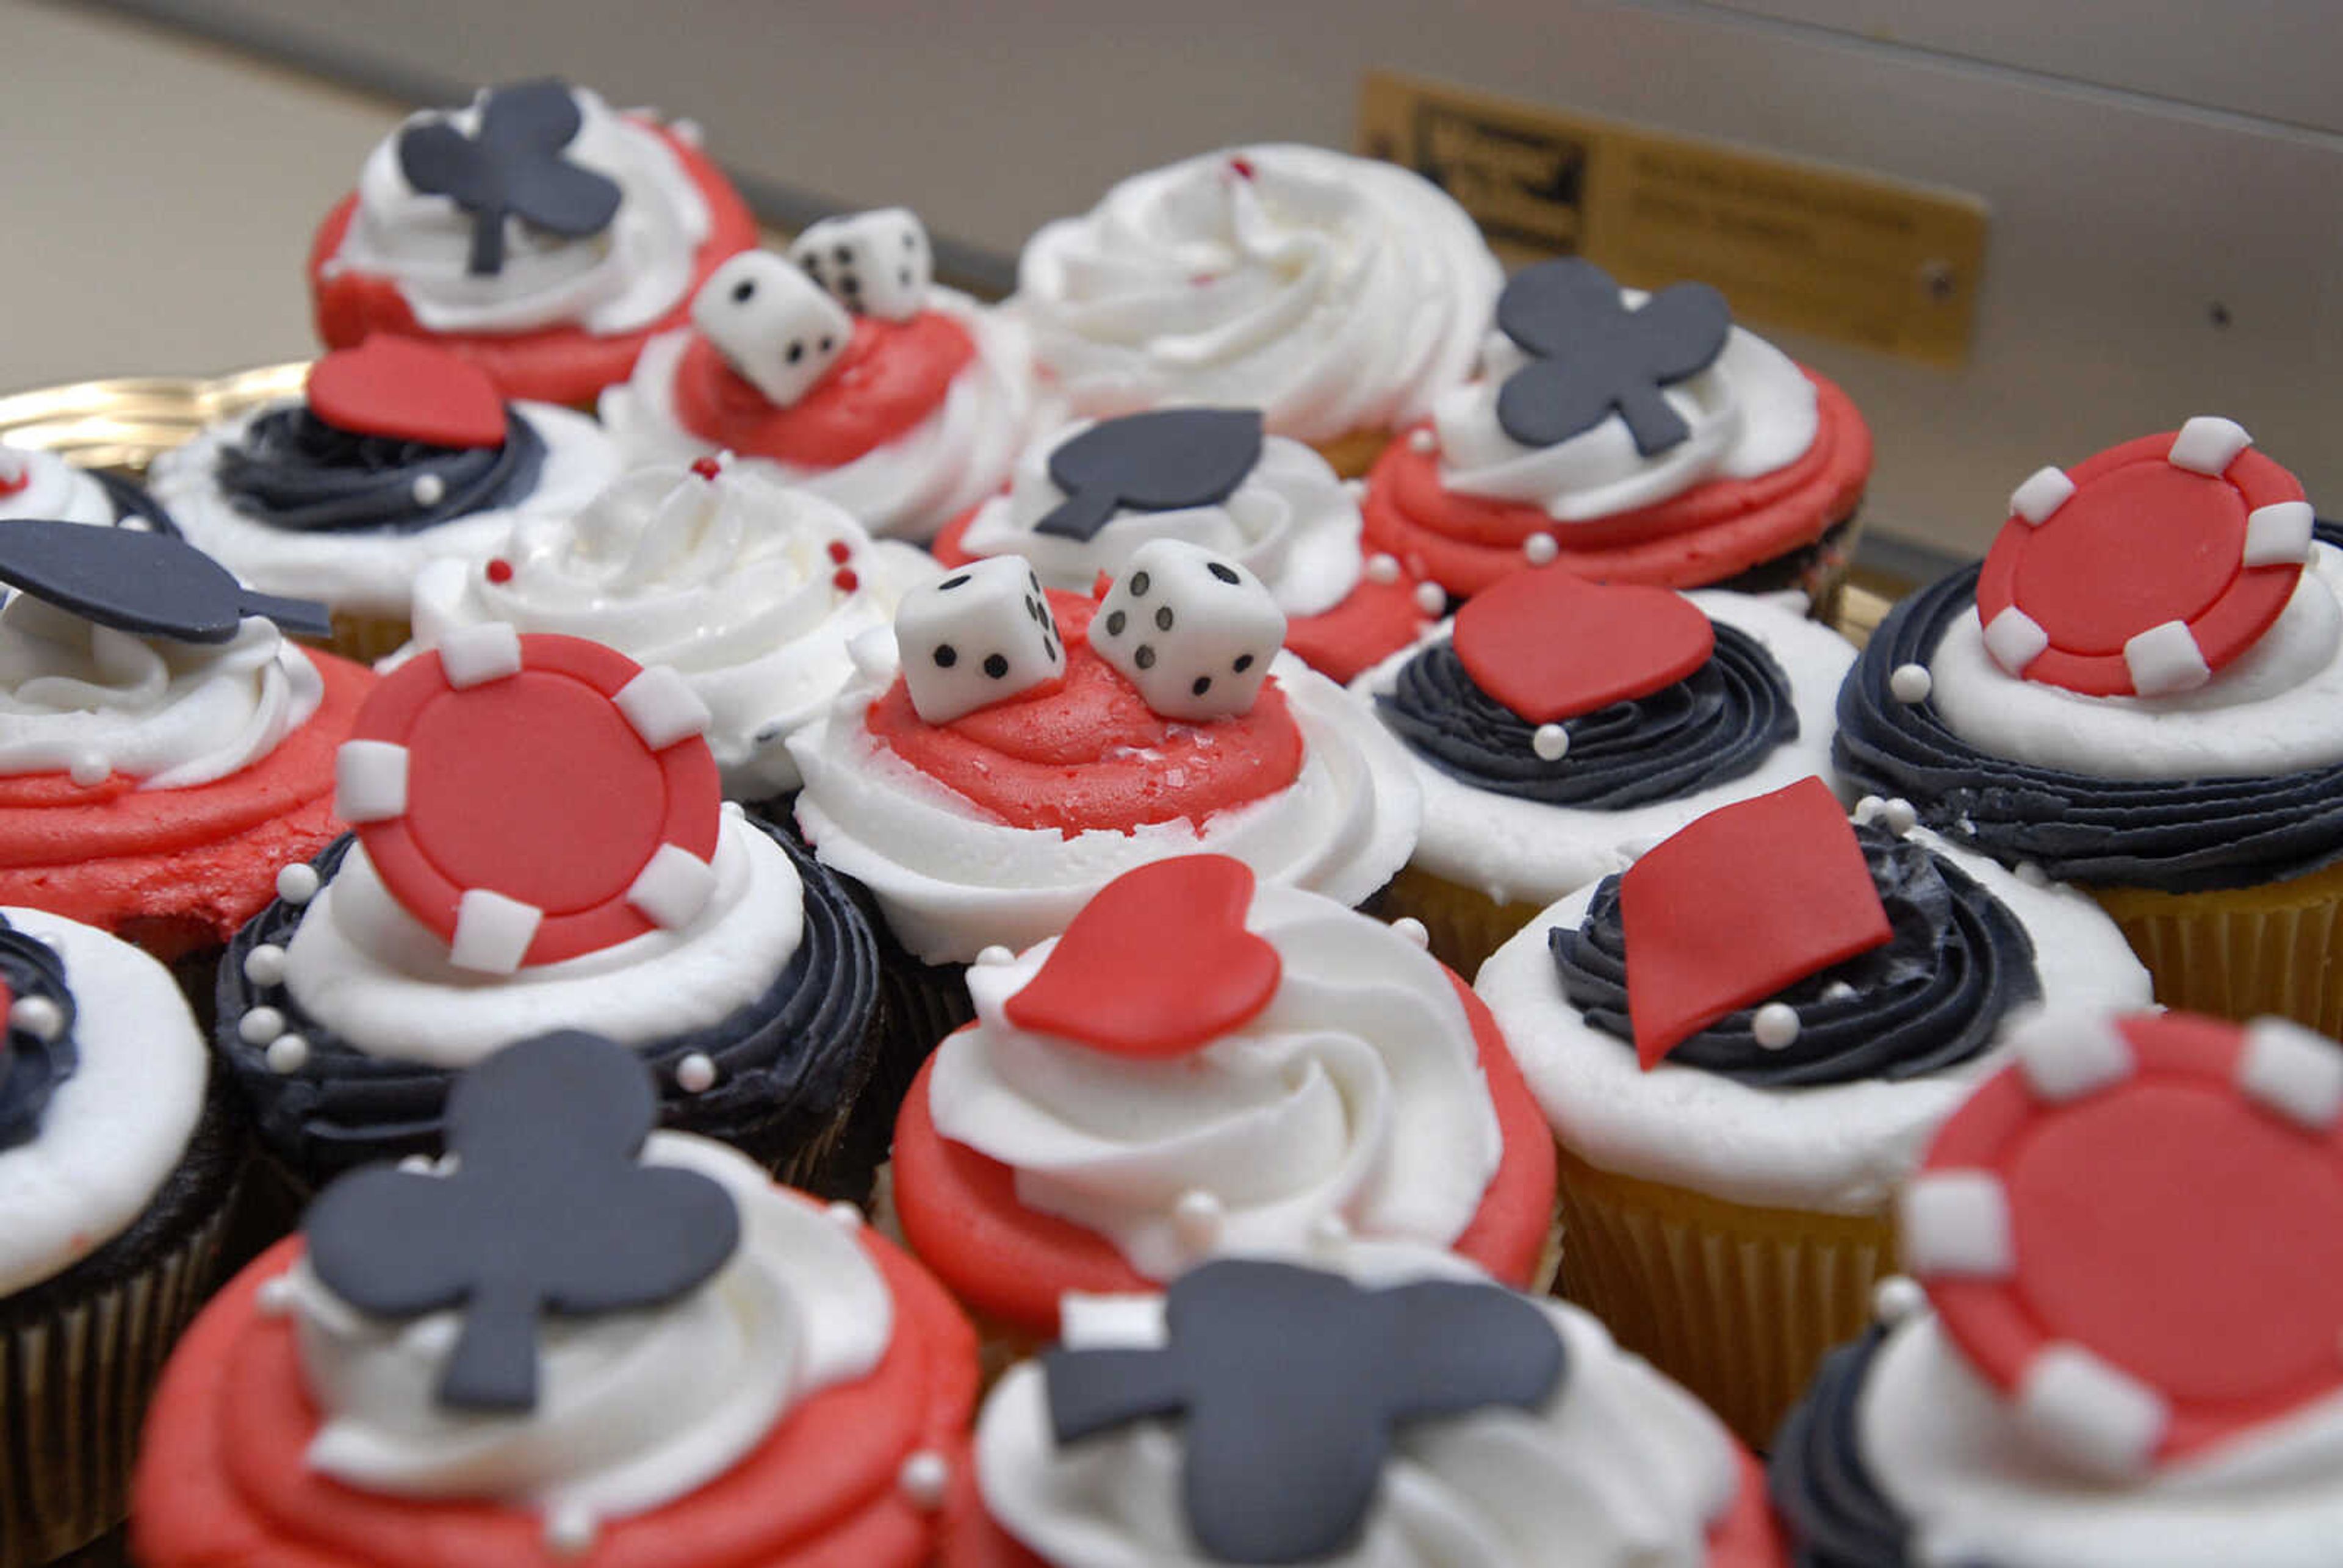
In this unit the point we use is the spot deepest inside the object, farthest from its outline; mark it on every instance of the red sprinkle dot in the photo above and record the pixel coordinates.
(500, 570)
(1241, 167)
(844, 580)
(840, 551)
(706, 468)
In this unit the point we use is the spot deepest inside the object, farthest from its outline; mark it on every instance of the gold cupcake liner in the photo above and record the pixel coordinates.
(1465, 925)
(366, 638)
(1739, 1305)
(2247, 952)
(1353, 452)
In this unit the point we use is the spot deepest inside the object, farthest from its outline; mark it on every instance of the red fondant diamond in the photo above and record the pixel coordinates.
(1157, 964)
(1750, 898)
(1550, 645)
(407, 390)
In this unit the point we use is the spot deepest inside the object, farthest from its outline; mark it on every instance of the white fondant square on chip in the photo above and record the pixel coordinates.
(673, 887)
(370, 781)
(2043, 493)
(2094, 1414)
(1956, 1222)
(492, 931)
(2207, 445)
(662, 707)
(2293, 1071)
(475, 654)
(2067, 1055)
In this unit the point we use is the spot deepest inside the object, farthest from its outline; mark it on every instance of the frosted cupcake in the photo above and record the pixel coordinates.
(843, 370)
(1632, 438)
(538, 231)
(749, 590)
(1337, 294)
(396, 453)
(41, 485)
(1208, 476)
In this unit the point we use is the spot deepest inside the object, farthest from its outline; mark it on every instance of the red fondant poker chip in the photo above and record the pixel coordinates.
(531, 799)
(2147, 569)
(2137, 1231)
(407, 390)
(1746, 900)
(1157, 964)
(1550, 645)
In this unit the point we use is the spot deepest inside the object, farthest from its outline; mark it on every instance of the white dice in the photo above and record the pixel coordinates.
(977, 635)
(872, 263)
(1190, 627)
(772, 324)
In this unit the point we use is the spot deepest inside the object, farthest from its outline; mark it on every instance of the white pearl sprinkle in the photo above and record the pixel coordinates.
(430, 489)
(1431, 598)
(1895, 1298)
(265, 965)
(688, 132)
(1423, 440)
(1867, 808)
(38, 1017)
(695, 1074)
(569, 1532)
(1197, 1218)
(419, 1165)
(1775, 1026)
(2031, 875)
(1838, 990)
(88, 770)
(136, 524)
(845, 1216)
(924, 1478)
(994, 956)
(1381, 569)
(1898, 816)
(275, 1296)
(1910, 683)
(297, 883)
(1408, 927)
(260, 1026)
(1356, 489)
(1550, 741)
(287, 1053)
(1540, 549)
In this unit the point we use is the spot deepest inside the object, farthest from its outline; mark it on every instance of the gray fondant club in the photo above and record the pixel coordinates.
(1594, 355)
(513, 166)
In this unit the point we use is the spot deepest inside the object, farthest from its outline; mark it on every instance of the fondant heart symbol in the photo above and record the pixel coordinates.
(408, 391)
(1550, 645)
(1158, 963)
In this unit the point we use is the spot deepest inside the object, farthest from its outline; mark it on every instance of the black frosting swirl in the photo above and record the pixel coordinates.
(1717, 724)
(131, 500)
(2183, 834)
(31, 1067)
(797, 1053)
(1930, 999)
(293, 470)
(1835, 1513)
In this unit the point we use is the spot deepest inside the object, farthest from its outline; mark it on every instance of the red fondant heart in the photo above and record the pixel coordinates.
(407, 390)
(1157, 964)
(1746, 900)
(1550, 645)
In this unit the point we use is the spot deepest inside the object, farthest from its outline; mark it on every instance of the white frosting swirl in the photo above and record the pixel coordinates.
(54, 489)
(113, 1131)
(366, 572)
(909, 487)
(634, 1409)
(1946, 1448)
(1292, 522)
(951, 880)
(1335, 293)
(2270, 712)
(619, 280)
(1619, 1468)
(1832, 1149)
(1356, 1094)
(75, 695)
(363, 968)
(728, 581)
(1752, 411)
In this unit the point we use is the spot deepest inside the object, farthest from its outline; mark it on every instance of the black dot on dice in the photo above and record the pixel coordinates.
(995, 666)
(1139, 584)
(843, 254)
(950, 583)
(826, 343)
(906, 276)
(1048, 648)
(744, 291)
(909, 243)
(1203, 684)
(1115, 622)
(1244, 663)
(1144, 658)
(946, 656)
(1164, 619)
(1226, 574)
(797, 352)
(851, 284)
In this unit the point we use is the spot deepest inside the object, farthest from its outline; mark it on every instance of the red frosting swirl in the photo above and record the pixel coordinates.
(892, 376)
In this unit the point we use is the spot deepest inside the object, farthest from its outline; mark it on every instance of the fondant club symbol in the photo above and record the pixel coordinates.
(547, 1210)
(148, 584)
(1594, 355)
(513, 168)
(1292, 1383)
(1159, 462)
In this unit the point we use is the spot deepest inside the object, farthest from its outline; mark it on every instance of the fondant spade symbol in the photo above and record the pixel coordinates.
(149, 585)
(513, 167)
(1594, 355)
(1159, 462)
(1292, 1383)
(547, 1210)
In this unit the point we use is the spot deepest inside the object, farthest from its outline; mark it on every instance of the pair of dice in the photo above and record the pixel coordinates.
(782, 322)
(1191, 629)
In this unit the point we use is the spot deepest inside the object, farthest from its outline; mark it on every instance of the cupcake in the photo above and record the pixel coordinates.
(163, 747)
(1086, 498)
(118, 1170)
(396, 453)
(578, 1341)
(1632, 438)
(540, 843)
(538, 233)
(1338, 295)
(1557, 725)
(2119, 1351)
(1741, 1045)
(843, 370)
(1385, 1406)
(1026, 746)
(1202, 1065)
(750, 591)
(42, 485)
(2141, 692)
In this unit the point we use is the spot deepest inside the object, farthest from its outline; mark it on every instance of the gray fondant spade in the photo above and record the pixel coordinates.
(547, 1210)
(1159, 462)
(513, 168)
(1292, 1382)
(149, 585)
(1594, 355)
